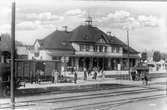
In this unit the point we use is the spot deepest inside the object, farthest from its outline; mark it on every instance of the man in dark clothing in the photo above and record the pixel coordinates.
(89, 72)
(95, 75)
(75, 77)
(146, 78)
(32, 78)
(85, 74)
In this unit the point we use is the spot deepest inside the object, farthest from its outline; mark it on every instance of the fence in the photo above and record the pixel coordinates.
(30, 70)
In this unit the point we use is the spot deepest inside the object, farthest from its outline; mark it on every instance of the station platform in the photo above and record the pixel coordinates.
(82, 85)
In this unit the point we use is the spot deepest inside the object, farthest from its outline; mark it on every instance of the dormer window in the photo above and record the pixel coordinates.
(85, 37)
(101, 40)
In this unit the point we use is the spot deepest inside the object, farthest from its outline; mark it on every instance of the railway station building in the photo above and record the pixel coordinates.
(86, 46)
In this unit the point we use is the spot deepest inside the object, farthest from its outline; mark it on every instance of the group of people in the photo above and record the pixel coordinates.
(36, 77)
(139, 75)
(88, 72)
(57, 76)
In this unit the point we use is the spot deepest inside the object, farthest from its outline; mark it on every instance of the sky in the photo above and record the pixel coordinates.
(35, 19)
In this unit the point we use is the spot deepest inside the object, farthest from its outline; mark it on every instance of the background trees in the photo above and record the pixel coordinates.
(156, 56)
(144, 56)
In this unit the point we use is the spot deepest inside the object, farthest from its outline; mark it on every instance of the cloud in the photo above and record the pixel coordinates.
(148, 21)
(75, 12)
(5, 27)
(49, 26)
(131, 23)
(34, 25)
(33, 21)
(117, 16)
(28, 25)
(5, 10)
(45, 16)
(125, 20)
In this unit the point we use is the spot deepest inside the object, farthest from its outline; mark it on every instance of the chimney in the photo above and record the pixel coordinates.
(89, 21)
(65, 28)
(109, 33)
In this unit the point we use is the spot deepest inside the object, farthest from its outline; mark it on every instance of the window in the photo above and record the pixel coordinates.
(100, 48)
(36, 54)
(81, 47)
(117, 50)
(113, 49)
(95, 48)
(69, 63)
(105, 48)
(56, 58)
(101, 40)
(87, 47)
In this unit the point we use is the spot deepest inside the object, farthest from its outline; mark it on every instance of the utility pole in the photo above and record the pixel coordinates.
(12, 80)
(128, 54)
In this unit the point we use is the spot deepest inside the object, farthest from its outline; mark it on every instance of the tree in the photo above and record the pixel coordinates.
(144, 56)
(5, 45)
(164, 56)
(156, 56)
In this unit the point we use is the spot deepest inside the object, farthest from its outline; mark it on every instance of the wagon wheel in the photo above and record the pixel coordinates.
(6, 92)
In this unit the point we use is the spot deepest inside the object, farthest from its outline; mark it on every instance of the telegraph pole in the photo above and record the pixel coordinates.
(128, 54)
(12, 81)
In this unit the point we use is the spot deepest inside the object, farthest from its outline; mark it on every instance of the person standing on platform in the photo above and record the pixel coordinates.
(37, 77)
(32, 77)
(146, 78)
(142, 77)
(85, 74)
(102, 73)
(53, 72)
(75, 76)
(133, 73)
(56, 76)
(89, 71)
(95, 73)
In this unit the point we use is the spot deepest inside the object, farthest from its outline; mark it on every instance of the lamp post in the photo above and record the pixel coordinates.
(128, 53)
(12, 92)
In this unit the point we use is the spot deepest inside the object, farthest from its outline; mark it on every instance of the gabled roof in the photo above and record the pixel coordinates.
(115, 41)
(61, 40)
(88, 33)
(57, 40)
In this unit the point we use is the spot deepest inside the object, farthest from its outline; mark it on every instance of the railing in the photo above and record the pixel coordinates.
(98, 54)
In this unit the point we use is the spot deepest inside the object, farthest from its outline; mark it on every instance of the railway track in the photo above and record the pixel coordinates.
(105, 105)
(90, 96)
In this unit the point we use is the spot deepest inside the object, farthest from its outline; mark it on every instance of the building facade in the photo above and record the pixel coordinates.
(85, 47)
